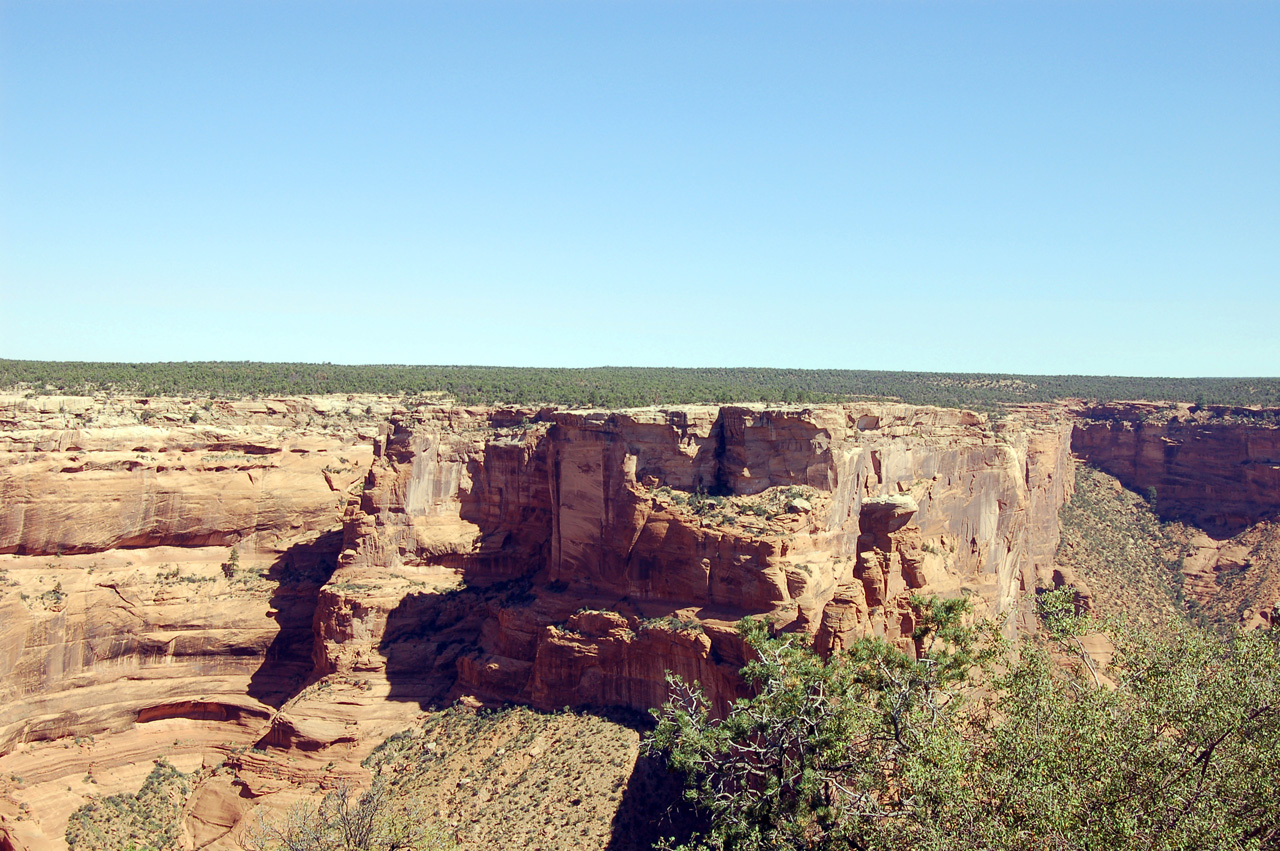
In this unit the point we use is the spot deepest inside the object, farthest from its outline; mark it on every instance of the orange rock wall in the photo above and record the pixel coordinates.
(113, 531)
(1218, 468)
(594, 507)
(391, 558)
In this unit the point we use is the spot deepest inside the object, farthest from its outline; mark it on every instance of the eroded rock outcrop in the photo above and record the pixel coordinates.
(825, 519)
(1216, 468)
(271, 586)
(160, 562)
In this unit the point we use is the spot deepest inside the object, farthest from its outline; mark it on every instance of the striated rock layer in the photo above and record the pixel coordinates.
(274, 586)
(160, 560)
(643, 536)
(1216, 468)
(267, 589)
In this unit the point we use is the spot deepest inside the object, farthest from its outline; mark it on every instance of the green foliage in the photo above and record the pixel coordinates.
(1175, 745)
(150, 820)
(616, 386)
(54, 596)
(232, 564)
(673, 623)
(1180, 749)
(826, 750)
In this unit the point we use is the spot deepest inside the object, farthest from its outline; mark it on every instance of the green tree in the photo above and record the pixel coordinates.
(1175, 744)
(826, 750)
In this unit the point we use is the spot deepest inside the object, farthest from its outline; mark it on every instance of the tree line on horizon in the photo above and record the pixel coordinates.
(618, 386)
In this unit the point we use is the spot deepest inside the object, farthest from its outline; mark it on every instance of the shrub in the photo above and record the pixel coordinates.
(345, 821)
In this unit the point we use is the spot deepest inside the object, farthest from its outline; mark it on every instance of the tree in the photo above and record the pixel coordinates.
(963, 744)
(345, 821)
(826, 750)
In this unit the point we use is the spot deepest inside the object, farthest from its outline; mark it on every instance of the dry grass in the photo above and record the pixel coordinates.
(1115, 542)
(517, 778)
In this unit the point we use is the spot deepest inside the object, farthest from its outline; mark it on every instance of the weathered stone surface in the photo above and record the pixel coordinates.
(1216, 468)
(704, 514)
(120, 627)
(548, 557)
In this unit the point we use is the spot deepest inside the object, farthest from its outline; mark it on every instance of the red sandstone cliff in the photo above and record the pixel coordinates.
(549, 557)
(124, 628)
(1216, 469)
(706, 514)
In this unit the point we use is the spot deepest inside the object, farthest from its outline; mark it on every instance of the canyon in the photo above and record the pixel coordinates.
(262, 591)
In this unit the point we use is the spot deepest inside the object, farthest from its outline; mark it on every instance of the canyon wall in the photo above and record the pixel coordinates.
(269, 588)
(643, 536)
(160, 561)
(1217, 468)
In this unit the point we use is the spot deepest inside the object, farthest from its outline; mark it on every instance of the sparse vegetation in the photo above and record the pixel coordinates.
(150, 820)
(349, 821)
(673, 623)
(754, 512)
(1129, 558)
(517, 778)
(232, 564)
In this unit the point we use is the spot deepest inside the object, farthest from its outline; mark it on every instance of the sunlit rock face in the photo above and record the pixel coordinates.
(282, 583)
(128, 629)
(678, 523)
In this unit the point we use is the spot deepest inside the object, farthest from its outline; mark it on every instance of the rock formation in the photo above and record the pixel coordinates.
(274, 586)
(159, 566)
(669, 526)
(1217, 468)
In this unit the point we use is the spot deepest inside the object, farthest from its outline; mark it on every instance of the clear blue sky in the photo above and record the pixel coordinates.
(1035, 187)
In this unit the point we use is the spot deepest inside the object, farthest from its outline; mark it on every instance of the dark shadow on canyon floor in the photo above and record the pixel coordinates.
(298, 574)
(652, 808)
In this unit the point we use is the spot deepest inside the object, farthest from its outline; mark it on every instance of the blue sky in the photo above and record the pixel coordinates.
(1034, 187)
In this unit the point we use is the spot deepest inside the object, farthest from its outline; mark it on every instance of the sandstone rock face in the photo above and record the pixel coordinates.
(274, 586)
(126, 624)
(671, 525)
(1218, 469)
(106, 479)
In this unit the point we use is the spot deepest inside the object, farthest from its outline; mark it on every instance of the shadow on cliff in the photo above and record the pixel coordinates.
(1220, 519)
(298, 573)
(428, 633)
(1221, 478)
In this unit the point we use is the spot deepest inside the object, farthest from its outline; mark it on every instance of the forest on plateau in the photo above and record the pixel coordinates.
(616, 387)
